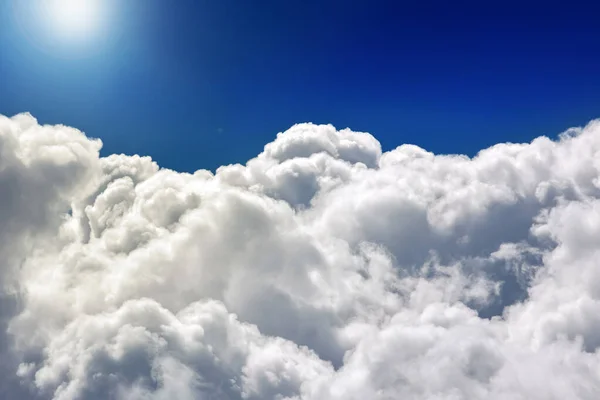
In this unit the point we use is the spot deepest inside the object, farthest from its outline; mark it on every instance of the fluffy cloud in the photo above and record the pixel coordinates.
(324, 268)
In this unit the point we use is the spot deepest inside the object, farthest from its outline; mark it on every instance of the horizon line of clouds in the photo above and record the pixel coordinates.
(323, 268)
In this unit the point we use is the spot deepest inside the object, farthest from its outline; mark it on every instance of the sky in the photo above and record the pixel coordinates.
(207, 83)
(298, 201)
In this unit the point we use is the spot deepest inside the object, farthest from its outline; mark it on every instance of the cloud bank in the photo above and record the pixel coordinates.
(324, 268)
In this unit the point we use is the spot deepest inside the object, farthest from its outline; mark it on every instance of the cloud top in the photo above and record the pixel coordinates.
(323, 268)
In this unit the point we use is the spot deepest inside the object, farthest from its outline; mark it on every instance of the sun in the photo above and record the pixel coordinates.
(74, 19)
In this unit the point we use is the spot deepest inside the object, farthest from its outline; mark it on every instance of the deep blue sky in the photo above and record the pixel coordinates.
(199, 83)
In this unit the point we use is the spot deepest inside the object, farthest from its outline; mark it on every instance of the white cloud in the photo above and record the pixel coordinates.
(321, 269)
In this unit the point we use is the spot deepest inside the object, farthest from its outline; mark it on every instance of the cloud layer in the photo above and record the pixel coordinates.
(324, 268)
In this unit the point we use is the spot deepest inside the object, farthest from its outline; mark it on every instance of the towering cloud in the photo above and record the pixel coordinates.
(324, 268)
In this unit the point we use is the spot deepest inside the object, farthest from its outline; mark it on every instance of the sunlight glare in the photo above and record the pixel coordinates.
(74, 19)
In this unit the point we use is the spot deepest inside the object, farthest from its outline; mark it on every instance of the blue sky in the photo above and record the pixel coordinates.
(197, 84)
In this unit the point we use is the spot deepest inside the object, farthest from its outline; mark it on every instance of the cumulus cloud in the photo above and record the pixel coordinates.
(323, 268)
